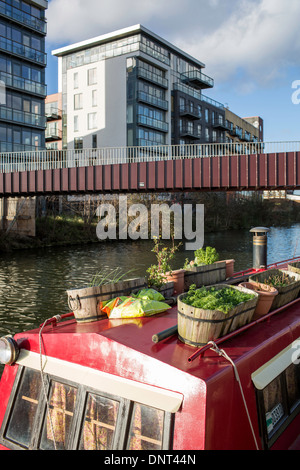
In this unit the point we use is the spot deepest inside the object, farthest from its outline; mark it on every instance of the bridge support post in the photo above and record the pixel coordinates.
(3, 212)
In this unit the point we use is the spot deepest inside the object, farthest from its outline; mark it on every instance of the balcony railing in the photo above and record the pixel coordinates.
(23, 51)
(153, 100)
(191, 112)
(58, 159)
(23, 18)
(152, 77)
(22, 117)
(197, 79)
(23, 84)
(197, 94)
(53, 133)
(151, 122)
(53, 113)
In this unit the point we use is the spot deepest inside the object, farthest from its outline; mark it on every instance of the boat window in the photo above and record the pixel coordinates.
(20, 427)
(58, 421)
(273, 404)
(293, 385)
(77, 416)
(279, 403)
(146, 430)
(99, 423)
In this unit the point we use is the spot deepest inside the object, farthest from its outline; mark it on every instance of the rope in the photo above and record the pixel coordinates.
(221, 352)
(44, 385)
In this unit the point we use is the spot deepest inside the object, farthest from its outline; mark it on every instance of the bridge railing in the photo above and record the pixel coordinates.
(55, 159)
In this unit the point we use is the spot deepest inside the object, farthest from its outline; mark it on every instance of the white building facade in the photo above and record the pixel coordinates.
(133, 88)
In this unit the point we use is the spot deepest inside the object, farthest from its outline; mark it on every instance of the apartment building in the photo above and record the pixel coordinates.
(243, 130)
(133, 88)
(22, 74)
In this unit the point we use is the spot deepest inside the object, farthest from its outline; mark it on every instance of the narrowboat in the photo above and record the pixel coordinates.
(133, 384)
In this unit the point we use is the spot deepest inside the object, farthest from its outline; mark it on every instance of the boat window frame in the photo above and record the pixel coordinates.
(276, 369)
(268, 439)
(121, 434)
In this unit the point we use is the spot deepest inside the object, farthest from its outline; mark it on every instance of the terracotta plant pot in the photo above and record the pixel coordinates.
(265, 299)
(229, 267)
(177, 277)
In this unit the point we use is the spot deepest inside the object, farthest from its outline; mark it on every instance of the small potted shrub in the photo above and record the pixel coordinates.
(160, 275)
(204, 269)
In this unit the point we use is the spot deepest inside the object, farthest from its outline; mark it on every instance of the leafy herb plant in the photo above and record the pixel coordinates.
(224, 299)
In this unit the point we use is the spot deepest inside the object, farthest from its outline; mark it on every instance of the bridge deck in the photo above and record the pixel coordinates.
(263, 171)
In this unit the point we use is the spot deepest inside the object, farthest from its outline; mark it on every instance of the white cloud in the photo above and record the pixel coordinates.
(260, 37)
(256, 39)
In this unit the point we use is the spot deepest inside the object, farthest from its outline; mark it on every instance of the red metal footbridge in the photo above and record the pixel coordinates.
(168, 168)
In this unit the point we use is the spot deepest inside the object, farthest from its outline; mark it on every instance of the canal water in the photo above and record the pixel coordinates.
(33, 283)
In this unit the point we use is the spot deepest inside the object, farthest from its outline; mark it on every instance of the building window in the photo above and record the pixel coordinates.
(92, 120)
(92, 76)
(206, 115)
(94, 98)
(94, 141)
(75, 79)
(207, 134)
(75, 123)
(78, 101)
(78, 143)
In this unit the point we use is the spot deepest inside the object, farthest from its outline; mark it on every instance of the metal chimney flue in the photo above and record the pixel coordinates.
(260, 247)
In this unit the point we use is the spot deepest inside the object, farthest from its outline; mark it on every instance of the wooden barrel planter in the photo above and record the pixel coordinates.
(294, 267)
(205, 275)
(167, 289)
(197, 326)
(85, 302)
(285, 293)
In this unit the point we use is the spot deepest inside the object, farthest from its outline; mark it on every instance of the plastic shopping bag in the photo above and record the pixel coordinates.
(135, 308)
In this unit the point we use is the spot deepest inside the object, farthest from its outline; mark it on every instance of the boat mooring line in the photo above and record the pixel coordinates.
(222, 353)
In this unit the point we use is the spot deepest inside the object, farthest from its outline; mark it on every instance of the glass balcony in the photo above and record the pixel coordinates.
(53, 113)
(22, 117)
(190, 132)
(151, 122)
(197, 94)
(52, 134)
(23, 51)
(220, 123)
(23, 84)
(152, 77)
(190, 112)
(153, 100)
(23, 18)
(197, 79)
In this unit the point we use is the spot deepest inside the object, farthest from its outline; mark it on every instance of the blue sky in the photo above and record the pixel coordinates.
(250, 47)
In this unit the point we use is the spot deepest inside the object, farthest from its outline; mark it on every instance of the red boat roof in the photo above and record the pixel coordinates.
(130, 341)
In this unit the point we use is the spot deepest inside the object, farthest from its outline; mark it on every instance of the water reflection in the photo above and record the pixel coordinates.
(33, 282)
